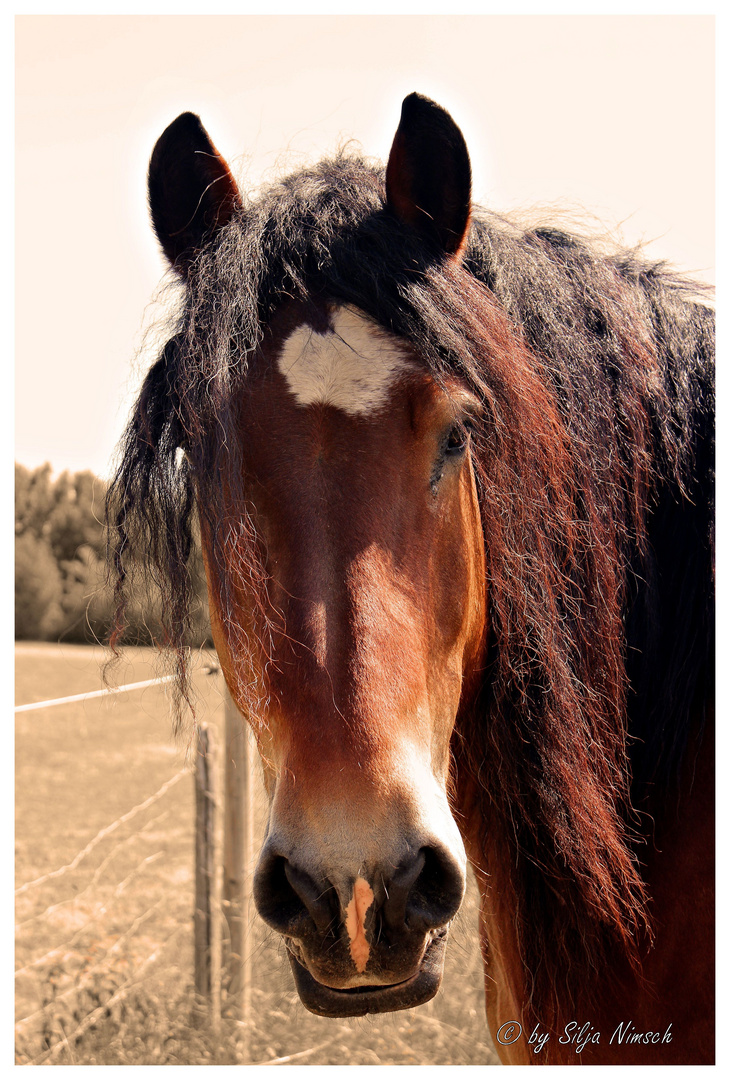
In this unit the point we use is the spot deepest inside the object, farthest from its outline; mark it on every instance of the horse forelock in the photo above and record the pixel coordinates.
(579, 413)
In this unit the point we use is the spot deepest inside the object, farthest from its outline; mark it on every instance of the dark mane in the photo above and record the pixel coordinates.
(596, 377)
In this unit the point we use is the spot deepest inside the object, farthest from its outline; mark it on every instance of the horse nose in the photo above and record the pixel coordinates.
(289, 898)
(424, 892)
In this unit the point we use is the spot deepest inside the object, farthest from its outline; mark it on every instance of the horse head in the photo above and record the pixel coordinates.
(354, 464)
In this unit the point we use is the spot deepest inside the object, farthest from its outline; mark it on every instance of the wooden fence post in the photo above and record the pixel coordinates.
(208, 860)
(238, 865)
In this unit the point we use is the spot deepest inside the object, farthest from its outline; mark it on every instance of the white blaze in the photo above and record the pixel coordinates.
(350, 367)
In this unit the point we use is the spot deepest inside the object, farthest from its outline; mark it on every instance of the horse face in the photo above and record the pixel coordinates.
(358, 466)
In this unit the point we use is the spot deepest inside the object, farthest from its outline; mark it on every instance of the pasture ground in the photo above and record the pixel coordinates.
(104, 955)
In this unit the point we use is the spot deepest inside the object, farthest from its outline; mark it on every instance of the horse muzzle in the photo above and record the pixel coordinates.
(365, 942)
(359, 1000)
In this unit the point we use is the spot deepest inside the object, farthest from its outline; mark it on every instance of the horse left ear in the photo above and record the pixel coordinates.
(191, 191)
(428, 179)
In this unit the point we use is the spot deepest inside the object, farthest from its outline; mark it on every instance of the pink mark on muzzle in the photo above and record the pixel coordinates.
(362, 898)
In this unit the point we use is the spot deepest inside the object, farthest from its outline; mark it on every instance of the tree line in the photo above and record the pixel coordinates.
(61, 591)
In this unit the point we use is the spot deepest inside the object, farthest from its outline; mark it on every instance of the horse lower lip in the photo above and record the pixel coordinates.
(359, 1000)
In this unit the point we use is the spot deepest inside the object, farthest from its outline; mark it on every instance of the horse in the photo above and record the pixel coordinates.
(452, 478)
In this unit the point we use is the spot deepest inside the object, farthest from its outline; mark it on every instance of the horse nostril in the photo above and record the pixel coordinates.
(286, 897)
(320, 901)
(425, 893)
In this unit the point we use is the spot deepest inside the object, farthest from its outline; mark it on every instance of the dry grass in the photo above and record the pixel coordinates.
(104, 951)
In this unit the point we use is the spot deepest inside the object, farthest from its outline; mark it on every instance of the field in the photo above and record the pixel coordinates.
(104, 955)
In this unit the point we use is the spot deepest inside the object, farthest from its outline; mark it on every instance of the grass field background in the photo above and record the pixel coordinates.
(104, 951)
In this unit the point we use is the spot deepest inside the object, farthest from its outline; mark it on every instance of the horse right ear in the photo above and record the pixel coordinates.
(191, 191)
(428, 179)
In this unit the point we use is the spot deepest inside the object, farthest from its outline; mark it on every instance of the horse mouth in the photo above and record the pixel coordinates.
(358, 1001)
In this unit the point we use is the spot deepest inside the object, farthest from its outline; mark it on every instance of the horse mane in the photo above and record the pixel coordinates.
(595, 373)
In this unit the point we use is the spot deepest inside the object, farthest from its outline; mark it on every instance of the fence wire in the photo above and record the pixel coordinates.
(34, 705)
(103, 833)
(98, 958)
(99, 1013)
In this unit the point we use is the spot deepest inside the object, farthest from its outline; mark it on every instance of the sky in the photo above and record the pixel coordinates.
(609, 116)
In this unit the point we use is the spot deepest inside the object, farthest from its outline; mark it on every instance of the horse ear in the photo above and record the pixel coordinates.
(191, 190)
(428, 179)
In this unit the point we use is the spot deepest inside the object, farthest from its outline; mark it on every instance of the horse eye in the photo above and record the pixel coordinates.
(457, 440)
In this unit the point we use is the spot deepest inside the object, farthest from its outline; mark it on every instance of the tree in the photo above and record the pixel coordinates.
(60, 570)
(38, 589)
(75, 519)
(34, 499)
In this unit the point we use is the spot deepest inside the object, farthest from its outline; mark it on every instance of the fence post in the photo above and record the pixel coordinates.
(207, 879)
(238, 865)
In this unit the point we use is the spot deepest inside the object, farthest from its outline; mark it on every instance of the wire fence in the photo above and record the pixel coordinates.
(34, 705)
(87, 977)
(102, 835)
(88, 974)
